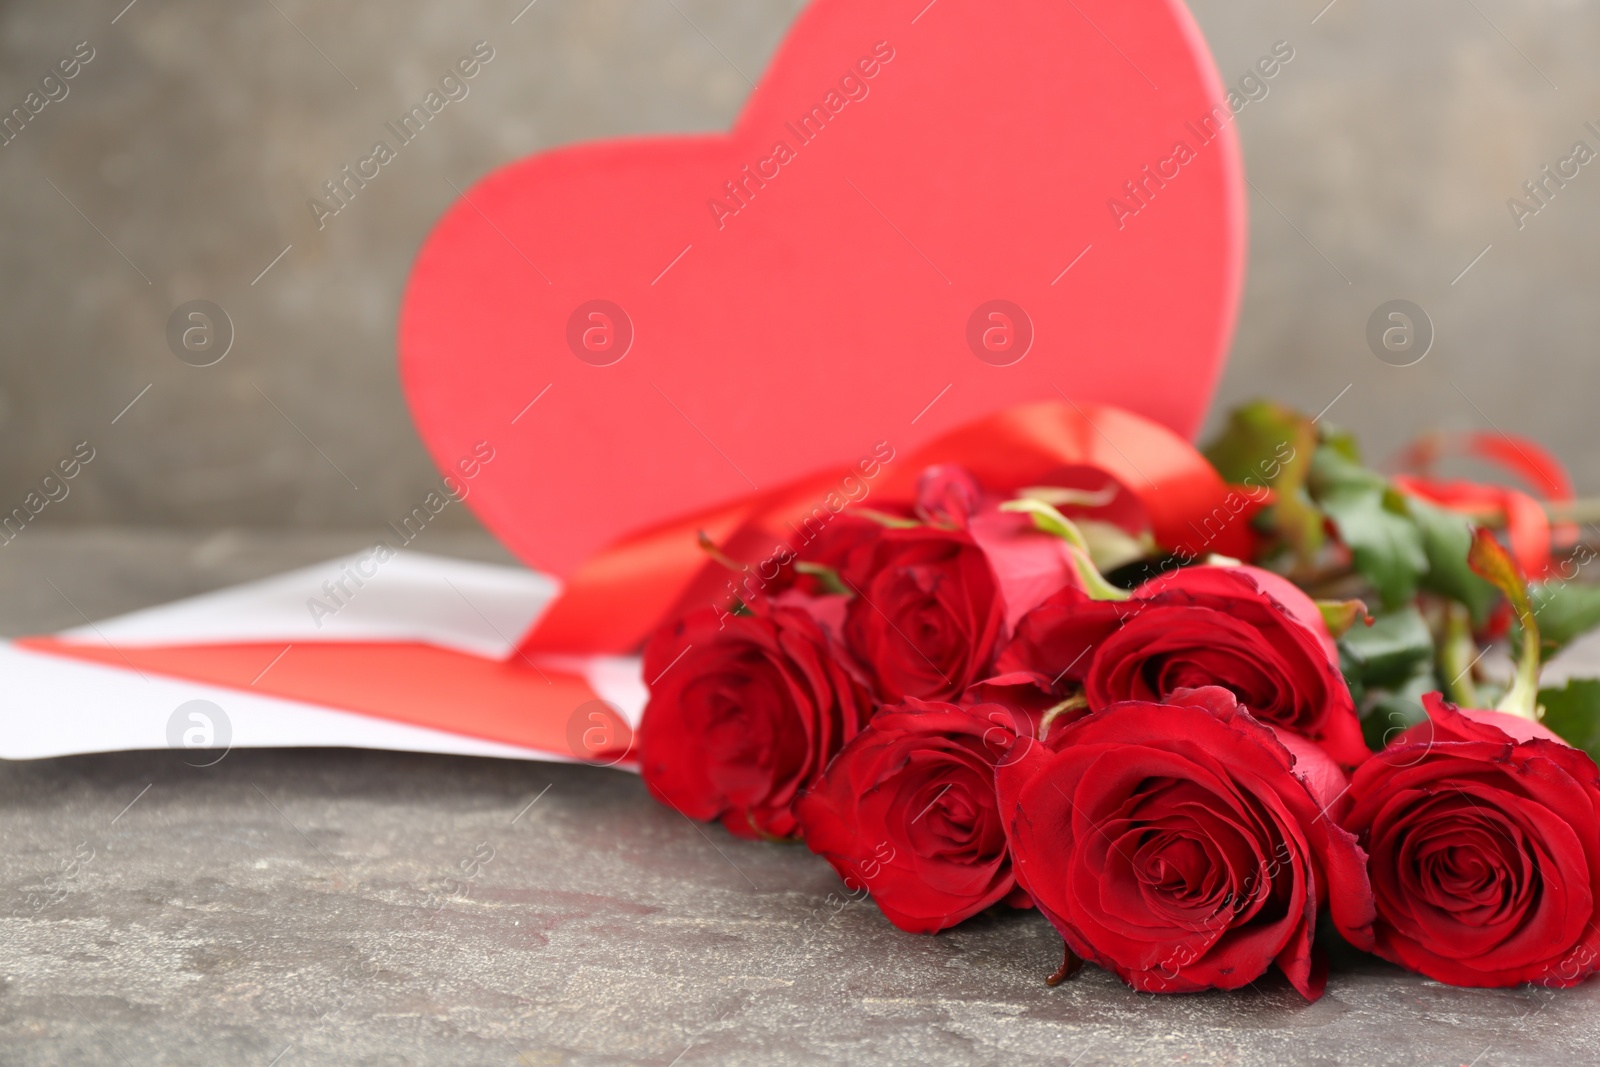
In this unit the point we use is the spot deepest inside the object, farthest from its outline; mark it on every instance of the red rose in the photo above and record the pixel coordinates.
(926, 614)
(1184, 846)
(848, 535)
(1029, 564)
(1027, 694)
(948, 495)
(1483, 832)
(745, 711)
(1241, 628)
(908, 811)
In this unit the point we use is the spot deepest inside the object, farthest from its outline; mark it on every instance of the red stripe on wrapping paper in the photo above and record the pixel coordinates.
(513, 703)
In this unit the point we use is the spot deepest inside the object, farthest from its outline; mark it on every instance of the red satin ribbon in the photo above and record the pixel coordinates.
(1533, 538)
(622, 594)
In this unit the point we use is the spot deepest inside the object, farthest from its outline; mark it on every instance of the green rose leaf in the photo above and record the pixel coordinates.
(1339, 615)
(1252, 448)
(1446, 541)
(1564, 611)
(1389, 653)
(1573, 712)
(1269, 444)
(1398, 710)
(1373, 519)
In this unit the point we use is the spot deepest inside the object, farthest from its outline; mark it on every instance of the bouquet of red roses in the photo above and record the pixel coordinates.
(978, 696)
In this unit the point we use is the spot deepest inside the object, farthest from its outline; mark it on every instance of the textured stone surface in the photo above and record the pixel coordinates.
(1381, 159)
(278, 904)
(296, 905)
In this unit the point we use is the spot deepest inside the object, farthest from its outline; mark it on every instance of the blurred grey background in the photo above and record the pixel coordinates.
(179, 162)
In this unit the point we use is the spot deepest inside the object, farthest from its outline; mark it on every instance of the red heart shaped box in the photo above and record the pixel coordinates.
(771, 311)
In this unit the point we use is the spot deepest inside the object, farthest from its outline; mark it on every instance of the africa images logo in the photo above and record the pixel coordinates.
(853, 88)
(1140, 190)
(342, 188)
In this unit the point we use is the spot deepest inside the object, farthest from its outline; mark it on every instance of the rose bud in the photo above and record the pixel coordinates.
(823, 555)
(745, 711)
(1030, 563)
(923, 624)
(907, 810)
(947, 495)
(926, 613)
(1030, 560)
(1238, 627)
(1483, 831)
(1184, 846)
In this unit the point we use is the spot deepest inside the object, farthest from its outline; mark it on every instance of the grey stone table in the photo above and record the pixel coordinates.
(291, 907)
